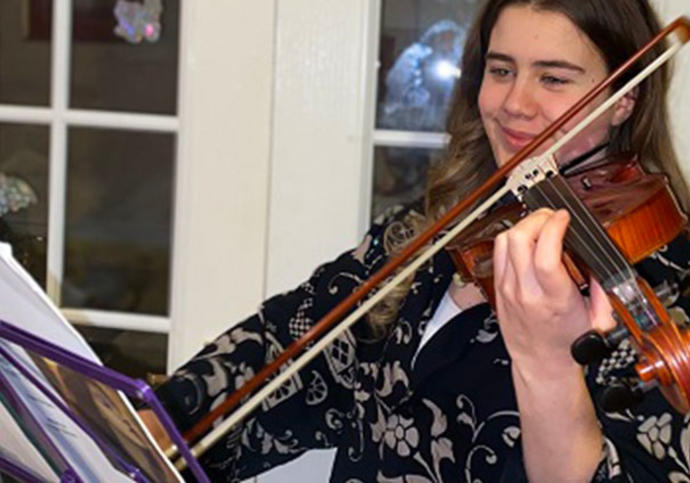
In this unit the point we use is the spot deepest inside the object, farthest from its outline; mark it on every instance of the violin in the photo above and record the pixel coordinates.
(615, 194)
(663, 346)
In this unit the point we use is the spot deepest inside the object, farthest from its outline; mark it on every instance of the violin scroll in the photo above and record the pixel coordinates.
(663, 356)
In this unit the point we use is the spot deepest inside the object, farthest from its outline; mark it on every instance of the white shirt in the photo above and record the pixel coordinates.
(446, 310)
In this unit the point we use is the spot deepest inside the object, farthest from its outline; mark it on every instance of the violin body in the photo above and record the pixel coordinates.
(637, 209)
(472, 251)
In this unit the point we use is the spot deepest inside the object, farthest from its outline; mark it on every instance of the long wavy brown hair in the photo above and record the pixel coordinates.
(618, 29)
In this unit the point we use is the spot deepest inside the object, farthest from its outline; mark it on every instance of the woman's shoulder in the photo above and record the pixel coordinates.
(398, 213)
(394, 222)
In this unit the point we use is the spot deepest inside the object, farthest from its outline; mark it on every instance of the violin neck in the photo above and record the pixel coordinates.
(586, 240)
(594, 250)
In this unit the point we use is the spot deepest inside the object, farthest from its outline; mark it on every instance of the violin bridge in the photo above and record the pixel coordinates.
(530, 172)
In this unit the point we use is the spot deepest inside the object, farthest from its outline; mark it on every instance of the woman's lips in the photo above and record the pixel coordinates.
(516, 139)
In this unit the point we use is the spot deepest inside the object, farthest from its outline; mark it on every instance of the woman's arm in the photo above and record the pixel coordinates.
(300, 415)
(561, 439)
(541, 312)
(293, 419)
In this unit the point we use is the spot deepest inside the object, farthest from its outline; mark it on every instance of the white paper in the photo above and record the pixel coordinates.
(16, 447)
(24, 304)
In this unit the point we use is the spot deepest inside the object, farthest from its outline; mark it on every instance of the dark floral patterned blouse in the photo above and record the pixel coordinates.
(451, 416)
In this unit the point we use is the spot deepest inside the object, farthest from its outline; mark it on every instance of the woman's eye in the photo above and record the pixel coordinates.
(499, 72)
(554, 81)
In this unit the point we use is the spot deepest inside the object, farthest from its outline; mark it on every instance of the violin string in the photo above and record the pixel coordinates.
(575, 232)
(614, 252)
(639, 299)
(593, 228)
(638, 303)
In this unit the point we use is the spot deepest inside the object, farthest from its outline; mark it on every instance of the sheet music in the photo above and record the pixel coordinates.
(15, 446)
(24, 304)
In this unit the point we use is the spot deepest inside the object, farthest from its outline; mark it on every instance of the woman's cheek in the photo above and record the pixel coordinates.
(489, 98)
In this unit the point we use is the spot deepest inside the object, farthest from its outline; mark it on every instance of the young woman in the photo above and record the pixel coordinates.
(432, 386)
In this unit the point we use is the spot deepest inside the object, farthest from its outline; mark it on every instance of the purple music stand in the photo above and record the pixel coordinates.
(134, 388)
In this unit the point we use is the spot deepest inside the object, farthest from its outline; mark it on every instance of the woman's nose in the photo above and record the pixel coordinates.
(520, 101)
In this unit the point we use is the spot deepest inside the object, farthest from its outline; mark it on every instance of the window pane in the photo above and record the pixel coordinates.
(133, 353)
(24, 194)
(110, 73)
(420, 50)
(118, 221)
(400, 176)
(25, 33)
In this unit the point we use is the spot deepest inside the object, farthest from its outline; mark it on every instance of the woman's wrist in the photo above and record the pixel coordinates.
(554, 394)
(539, 370)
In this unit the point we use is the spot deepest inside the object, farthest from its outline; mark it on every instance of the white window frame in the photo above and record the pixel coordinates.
(409, 139)
(59, 117)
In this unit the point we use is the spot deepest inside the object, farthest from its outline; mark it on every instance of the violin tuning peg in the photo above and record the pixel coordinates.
(593, 346)
(589, 347)
(621, 395)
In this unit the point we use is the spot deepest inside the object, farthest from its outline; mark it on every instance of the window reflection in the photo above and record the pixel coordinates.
(109, 72)
(24, 194)
(420, 83)
(25, 30)
(421, 48)
(400, 176)
(133, 353)
(118, 220)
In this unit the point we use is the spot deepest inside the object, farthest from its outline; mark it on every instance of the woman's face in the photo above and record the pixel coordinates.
(538, 65)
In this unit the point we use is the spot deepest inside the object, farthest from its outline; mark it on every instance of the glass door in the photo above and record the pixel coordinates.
(88, 129)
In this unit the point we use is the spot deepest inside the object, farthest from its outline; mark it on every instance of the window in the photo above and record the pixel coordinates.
(419, 53)
(88, 134)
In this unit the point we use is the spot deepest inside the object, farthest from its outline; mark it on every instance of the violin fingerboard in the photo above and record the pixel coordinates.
(586, 240)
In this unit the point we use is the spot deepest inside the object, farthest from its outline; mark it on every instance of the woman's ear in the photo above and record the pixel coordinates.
(624, 108)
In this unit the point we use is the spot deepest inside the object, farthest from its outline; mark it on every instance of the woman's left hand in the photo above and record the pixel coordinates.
(539, 307)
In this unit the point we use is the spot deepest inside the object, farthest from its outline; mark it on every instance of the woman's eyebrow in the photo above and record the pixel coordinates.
(558, 64)
(491, 55)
